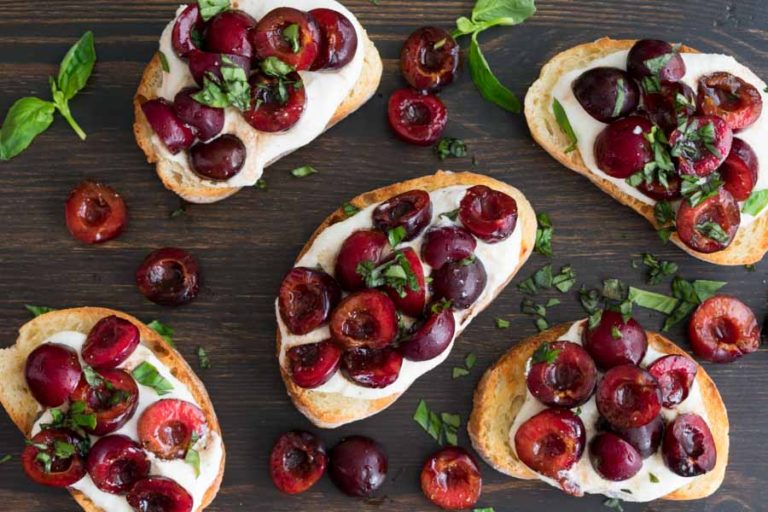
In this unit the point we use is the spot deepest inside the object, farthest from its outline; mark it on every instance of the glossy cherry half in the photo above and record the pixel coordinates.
(218, 159)
(52, 371)
(297, 461)
(159, 494)
(451, 479)
(306, 298)
(112, 399)
(172, 131)
(429, 59)
(417, 118)
(358, 466)
(167, 426)
(614, 342)
(447, 243)
(169, 276)
(613, 458)
(372, 368)
(711, 225)
(740, 170)
(490, 215)
(562, 374)
(63, 470)
(411, 210)
(110, 342)
(290, 35)
(429, 337)
(188, 24)
(723, 329)
(628, 396)
(115, 463)
(338, 39)
(729, 97)
(675, 374)
(95, 213)
(606, 93)
(313, 364)
(228, 32)
(359, 248)
(365, 319)
(689, 447)
(277, 104)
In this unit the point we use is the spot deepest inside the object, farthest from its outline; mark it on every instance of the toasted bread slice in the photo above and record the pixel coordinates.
(24, 409)
(751, 242)
(502, 390)
(176, 179)
(331, 410)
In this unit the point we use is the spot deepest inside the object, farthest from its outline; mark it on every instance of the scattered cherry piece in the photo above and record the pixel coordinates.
(606, 93)
(112, 399)
(95, 213)
(490, 215)
(723, 329)
(274, 36)
(417, 118)
(358, 248)
(613, 458)
(628, 396)
(431, 336)
(218, 159)
(622, 148)
(740, 170)
(675, 374)
(411, 210)
(358, 466)
(364, 319)
(63, 471)
(188, 21)
(689, 448)
(562, 374)
(701, 144)
(429, 59)
(614, 341)
(313, 364)
(169, 276)
(277, 104)
(372, 368)
(117, 462)
(110, 342)
(711, 225)
(652, 57)
(159, 494)
(228, 32)
(167, 426)
(729, 97)
(338, 39)
(52, 371)
(447, 243)
(171, 130)
(460, 282)
(451, 479)
(207, 121)
(297, 462)
(306, 298)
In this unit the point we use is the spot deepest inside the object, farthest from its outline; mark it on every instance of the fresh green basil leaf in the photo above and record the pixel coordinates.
(165, 331)
(756, 202)
(543, 244)
(77, 66)
(26, 119)
(273, 66)
(38, 310)
(349, 209)
(651, 300)
(502, 323)
(210, 8)
(470, 360)
(193, 459)
(164, 62)
(679, 314)
(565, 125)
(459, 372)
(464, 26)
(450, 147)
(705, 289)
(486, 82)
(5, 458)
(203, 359)
(503, 12)
(147, 375)
(304, 171)
(291, 36)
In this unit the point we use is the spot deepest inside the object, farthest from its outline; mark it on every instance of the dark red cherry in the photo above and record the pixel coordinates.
(701, 145)
(562, 374)
(689, 448)
(117, 462)
(651, 57)
(613, 458)
(722, 329)
(660, 192)
(729, 97)
(407, 299)
(306, 298)
(606, 93)
(675, 374)
(110, 342)
(167, 426)
(430, 337)
(372, 368)
(169, 276)
(445, 244)
(628, 396)
(297, 462)
(313, 364)
(622, 148)
(338, 39)
(358, 466)
(52, 372)
(207, 121)
(646, 439)
(159, 494)
(429, 59)
(171, 130)
(739, 171)
(208, 65)
(711, 225)
(290, 35)
(218, 159)
(364, 319)
(62, 471)
(188, 23)
(360, 247)
(490, 215)
(227, 32)
(614, 342)
(461, 282)
(668, 104)
(112, 396)
(95, 213)
(277, 104)
(417, 118)
(451, 479)
(412, 210)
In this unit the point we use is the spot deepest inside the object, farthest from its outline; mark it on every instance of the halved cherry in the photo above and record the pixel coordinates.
(562, 374)
(658, 191)
(313, 364)
(461, 282)
(218, 159)
(52, 371)
(172, 131)
(208, 65)
(358, 466)
(622, 148)
(628, 396)
(490, 215)
(729, 97)
(289, 34)
(689, 448)
(297, 461)
(739, 171)
(430, 337)
(670, 103)
(110, 342)
(675, 374)
(606, 93)
(276, 103)
(117, 462)
(652, 57)
(358, 248)
(306, 298)
(169, 276)
(614, 342)
(711, 225)
(416, 118)
(187, 23)
(207, 121)
(451, 479)
(448, 243)
(159, 494)
(613, 458)
(701, 144)
(722, 329)
(409, 301)
(167, 426)
(646, 439)
(95, 213)
(364, 319)
(551, 442)
(372, 368)
(412, 210)
(112, 398)
(228, 32)
(429, 59)
(338, 39)
(52, 458)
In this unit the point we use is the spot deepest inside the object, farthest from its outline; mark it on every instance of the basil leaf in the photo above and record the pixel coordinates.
(450, 147)
(503, 12)
(678, 315)
(164, 62)
(565, 280)
(713, 231)
(396, 235)
(421, 416)
(654, 479)
(349, 209)
(273, 66)
(203, 359)
(544, 229)
(459, 372)
(470, 360)
(544, 354)
(38, 310)
(486, 82)
(291, 36)
(304, 171)
(705, 289)
(210, 8)
(756, 202)
(650, 300)
(26, 119)
(565, 125)
(147, 375)
(465, 26)
(5, 458)
(193, 459)
(502, 324)
(165, 332)
(77, 66)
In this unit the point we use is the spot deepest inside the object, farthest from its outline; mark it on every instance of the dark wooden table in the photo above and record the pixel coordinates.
(246, 243)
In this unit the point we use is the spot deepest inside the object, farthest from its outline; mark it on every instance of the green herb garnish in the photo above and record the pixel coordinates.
(451, 215)
(545, 354)
(713, 231)
(38, 310)
(210, 8)
(231, 89)
(442, 427)
(756, 202)
(291, 36)
(450, 147)
(544, 232)
(396, 235)
(165, 331)
(565, 125)
(349, 209)
(147, 375)
(396, 273)
(303, 171)
(202, 358)
(164, 62)
(502, 324)
(658, 270)
(698, 189)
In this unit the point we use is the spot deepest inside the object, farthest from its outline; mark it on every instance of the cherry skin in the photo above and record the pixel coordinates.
(227, 32)
(729, 97)
(675, 374)
(189, 21)
(338, 39)
(313, 364)
(606, 93)
(430, 337)
(52, 372)
(739, 171)
(372, 368)
(364, 319)
(461, 282)
(95, 213)
(689, 448)
(172, 131)
(410, 210)
(701, 145)
(445, 244)
(358, 466)
(219, 159)
(723, 329)
(360, 247)
(207, 121)
(719, 210)
(63, 471)
(451, 479)
(117, 462)
(204, 65)
(112, 400)
(416, 118)
(161, 494)
(566, 380)
(658, 191)
(667, 105)
(275, 36)
(276, 104)
(646, 439)
(167, 426)
(169, 277)
(409, 301)
(614, 342)
(628, 396)
(297, 462)
(651, 57)
(490, 215)
(622, 148)
(429, 59)
(306, 298)
(613, 458)
(110, 342)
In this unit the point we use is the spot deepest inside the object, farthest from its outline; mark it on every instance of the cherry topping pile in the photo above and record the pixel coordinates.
(95, 213)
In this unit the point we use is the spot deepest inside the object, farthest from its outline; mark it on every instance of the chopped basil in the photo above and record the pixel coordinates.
(665, 218)
(544, 231)
(192, 456)
(656, 64)
(502, 324)
(486, 509)
(654, 479)
(231, 89)
(442, 427)
(261, 184)
(63, 449)
(273, 66)
(94, 379)
(468, 261)
(202, 357)
(750, 268)
(349, 209)
(303, 171)
(698, 189)
(713, 231)
(658, 270)
(76, 418)
(552, 302)
(589, 300)
(396, 273)
(450, 147)
(614, 503)
(210, 8)
(545, 354)
(147, 375)
(692, 137)
(616, 332)
(615, 289)
(291, 36)
(651, 300)
(564, 280)
(469, 363)
(686, 296)
(441, 305)
(396, 235)
(565, 125)
(659, 170)
(756, 202)
(164, 62)
(538, 311)
(705, 289)
(594, 319)
(165, 331)
(177, 212)
(620, 98)
(470, 360)
(5, 458)
(451, 215)
(38, 310)
(459, 372)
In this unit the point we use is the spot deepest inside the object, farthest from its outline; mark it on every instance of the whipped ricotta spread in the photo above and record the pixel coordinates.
(325, 91)
(500, 261)
(209, 446)
(587, 128)
(639, 488)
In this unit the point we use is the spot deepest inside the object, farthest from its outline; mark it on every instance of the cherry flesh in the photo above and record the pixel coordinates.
(622, 148)
(227, 32)
(567, 379)
(461, 282)
(606, 93)
(364, 319)
(670, 103)
(218, 159)
(409, 301)
(117, 462)
(689, 448)
(739, 171)
(429, 59)
(613, 458)
(63, 471)
(338, 39)
(488, 214)
(417, 118)
(172, 131)
(675, 374)
(207, 121)
(551, 442)
(646, 439)
(297, 462)
(306, 298)
(169, 277)
(445, 244)
(431, 337)
(113, 400)
(628, 396)
(410, 210)
(358, 466)
(52, 372)
(208, 65)
(290, 35)
(188, 23)
(723, 329)
(651, 57)
(614, 342)
(277, 104)
(711, 225)
(451, 479)
(701, 144)
(372, 368)
(313, 364)
(110, 342)
(159, 494)
(729, 97)
(360, 247)
(167, 426)
(95, 213)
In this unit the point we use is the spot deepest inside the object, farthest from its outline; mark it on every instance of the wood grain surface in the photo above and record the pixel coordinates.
(246, 243)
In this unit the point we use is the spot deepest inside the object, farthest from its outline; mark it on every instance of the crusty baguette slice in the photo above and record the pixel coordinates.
(331, 410)
(750, 244)
(176, 179)
(501, 392)
(23, 408)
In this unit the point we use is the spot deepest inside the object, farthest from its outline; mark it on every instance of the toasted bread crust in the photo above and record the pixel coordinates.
(328, 410)
(501, 393)
(23, 408)
(172, 175)
(750, 244)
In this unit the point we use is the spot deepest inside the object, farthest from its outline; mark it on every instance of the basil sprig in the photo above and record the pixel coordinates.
(210, 8)
(756, 202)
(147, 375)
(565, 125)
(231, 89)
(30, 116)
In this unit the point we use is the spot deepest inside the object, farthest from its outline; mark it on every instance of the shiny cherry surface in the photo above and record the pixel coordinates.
(227, 32)
(117, 462)
(628, 396)
(551, 442)
(622, 148)
(52, 371)
(277, 104)
(172, 131)
(306, 298)
(207, 121)
(112, 399)
(723, 329)
(159, 494)
(740, 170)
(660, 192)
(360, 247)
(358, 466)
(689, 448)
(729, 97)
(95, 213)
(695, 222)
(188, 22)
(447, 243)
(652, 57)
(364, 319)
(606, 93)
(613, 458)
(461, 282)
(490, 215)
(429, 59)
(297, 461)
(290, 35)
(646, 439)
(166, 427)
(701, 145)
(218, 159)
(614, 342)
(207, 64)
(63, 471)
(407, 300)
(451, 479)
(372, 368)
(169, 276)
(430, 337)
(338, 39)
(669, 103)
(110, 342)
(313, 364)
(416, 118)
(675, 374)
(562, 374)
(412, 210)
